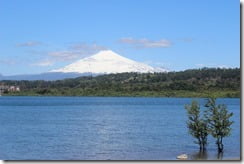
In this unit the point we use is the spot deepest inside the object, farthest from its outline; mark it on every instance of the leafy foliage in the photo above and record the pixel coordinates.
(204, 82)
(215, 121)
(219, 121)
(197, 126)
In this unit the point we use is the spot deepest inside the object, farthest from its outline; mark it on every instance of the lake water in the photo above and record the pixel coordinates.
(104, 128)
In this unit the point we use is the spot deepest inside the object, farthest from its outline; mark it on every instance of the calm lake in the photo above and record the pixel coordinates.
(104, 128)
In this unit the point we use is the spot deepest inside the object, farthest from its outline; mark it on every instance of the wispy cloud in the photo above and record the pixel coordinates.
(71, 53)
(211, 65)
(87, 48)
(76, 51)
(63, 55)
(163, 65)
(158, 63)
(146, 43)
(46, 57)
(43, 63)
(200, 65)
(29, 44)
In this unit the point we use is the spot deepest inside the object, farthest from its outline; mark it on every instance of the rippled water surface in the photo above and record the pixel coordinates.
(104, 128)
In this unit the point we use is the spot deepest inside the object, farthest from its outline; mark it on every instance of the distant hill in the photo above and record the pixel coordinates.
(50, 76)
(189, 83)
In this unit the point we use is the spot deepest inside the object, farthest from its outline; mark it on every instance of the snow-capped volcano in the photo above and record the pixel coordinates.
(105, 62)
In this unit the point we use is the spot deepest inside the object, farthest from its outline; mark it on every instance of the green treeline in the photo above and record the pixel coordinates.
(206, 82)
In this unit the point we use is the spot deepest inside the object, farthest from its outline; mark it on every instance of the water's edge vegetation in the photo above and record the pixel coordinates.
(205, 82)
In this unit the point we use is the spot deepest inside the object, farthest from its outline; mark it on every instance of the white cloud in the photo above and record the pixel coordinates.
(71, 53)
(212, 65)
(223, 66)
(86, 48)
(145, 43)
(163, 65)
(200, 65)
(76, 51)
(43, 63)
(29, 44)
(63, 55)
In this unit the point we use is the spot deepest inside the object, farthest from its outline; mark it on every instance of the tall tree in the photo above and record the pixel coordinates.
(219, 121)
(197, 126)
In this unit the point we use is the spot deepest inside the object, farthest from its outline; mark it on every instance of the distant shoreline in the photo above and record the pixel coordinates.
(108, 96)
(206, 82)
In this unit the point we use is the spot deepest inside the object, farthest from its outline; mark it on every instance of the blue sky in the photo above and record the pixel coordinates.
(38, 36)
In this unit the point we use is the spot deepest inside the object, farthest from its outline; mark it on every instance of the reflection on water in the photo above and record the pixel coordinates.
(203, 155)
(220, 155)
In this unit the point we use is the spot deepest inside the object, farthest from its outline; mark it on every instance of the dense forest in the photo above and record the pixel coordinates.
(203, 82)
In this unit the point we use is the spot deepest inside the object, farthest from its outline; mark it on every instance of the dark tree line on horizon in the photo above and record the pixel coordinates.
(189, 83)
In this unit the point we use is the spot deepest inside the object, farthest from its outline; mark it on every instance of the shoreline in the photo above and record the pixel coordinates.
(112, 96)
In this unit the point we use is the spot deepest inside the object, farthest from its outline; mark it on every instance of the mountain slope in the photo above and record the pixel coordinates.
(106, 62)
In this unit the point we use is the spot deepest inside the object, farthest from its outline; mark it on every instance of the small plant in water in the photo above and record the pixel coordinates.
(197, 126)
(215, 121)
(219, 121)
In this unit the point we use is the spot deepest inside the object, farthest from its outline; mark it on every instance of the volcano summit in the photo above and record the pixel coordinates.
(105, 62)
